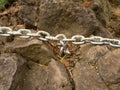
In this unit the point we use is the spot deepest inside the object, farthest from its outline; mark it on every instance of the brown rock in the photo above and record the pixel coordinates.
(109, 67)
(34, 78)
(86, 77)
(29, 15)
(4, 21)
(38, 77)
(32, 49)
(115, 2)
(9, 64)
(97, 67)
(58, 77)
(58, 16)
(114, 87)
(17, 74)
(68, 17)
(102, 9)
(92, 53)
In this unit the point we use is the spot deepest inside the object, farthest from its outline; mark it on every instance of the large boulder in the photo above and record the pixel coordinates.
(97, 68)
(58, 16)
(68, 17)
(38, 77)
(85, 72)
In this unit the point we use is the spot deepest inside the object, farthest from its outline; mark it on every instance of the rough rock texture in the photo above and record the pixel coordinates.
(38, 77)
(97, 68)
(102, 9)
(115, 2)
(93, 53)
(32, 49)
(60, 80)
(70, 17)
(9, 65)
(109, 67)
(30, 64)
(85, 73)
(59, 16)
(27, 74)
(86, 77)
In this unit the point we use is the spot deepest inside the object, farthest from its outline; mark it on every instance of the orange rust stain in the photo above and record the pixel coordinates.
(86, 3)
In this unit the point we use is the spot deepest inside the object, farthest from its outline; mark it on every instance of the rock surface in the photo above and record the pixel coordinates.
(68, 17)
(9, 65)
(27, 73)
(102, 9)
(38, 77)
(31, 49)
(109, 67)
(97, 68)
(86, 78)
(30, 64)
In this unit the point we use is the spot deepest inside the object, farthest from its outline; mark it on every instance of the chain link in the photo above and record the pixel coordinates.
(59, 38)
(79, 39)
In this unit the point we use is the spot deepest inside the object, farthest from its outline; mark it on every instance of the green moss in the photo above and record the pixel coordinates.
(2, 4)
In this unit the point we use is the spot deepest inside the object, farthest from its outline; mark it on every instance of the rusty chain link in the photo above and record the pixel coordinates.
(61, 39)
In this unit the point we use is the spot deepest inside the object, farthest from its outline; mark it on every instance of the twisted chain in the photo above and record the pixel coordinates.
(60, 38)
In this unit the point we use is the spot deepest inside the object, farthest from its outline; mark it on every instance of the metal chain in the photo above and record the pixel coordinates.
(59, 38)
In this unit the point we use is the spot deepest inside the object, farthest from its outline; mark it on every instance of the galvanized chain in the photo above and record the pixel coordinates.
(61, 39)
